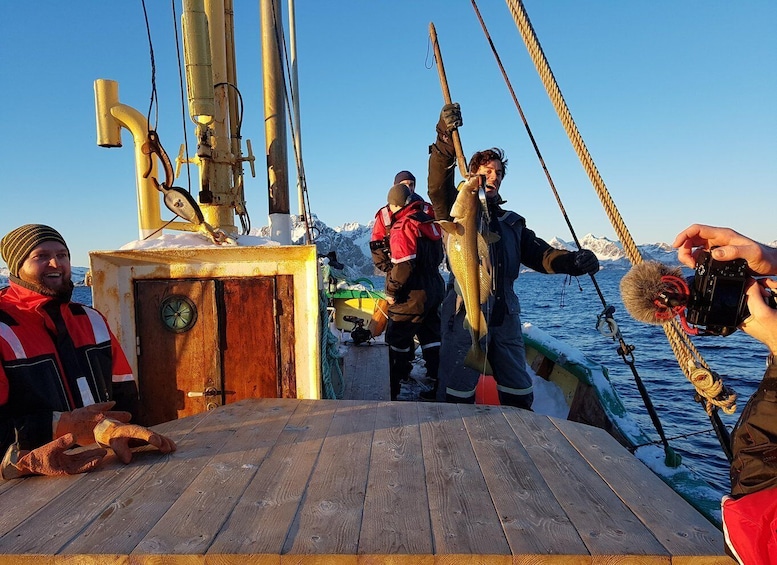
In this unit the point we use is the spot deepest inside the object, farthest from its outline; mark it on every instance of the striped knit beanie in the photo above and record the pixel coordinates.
(17, 245)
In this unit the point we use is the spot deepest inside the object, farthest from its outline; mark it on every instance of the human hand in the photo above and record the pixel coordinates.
(122, 437)
(450, 117)
(586, 262)
(50, 459)
(81, 421)
(762, 322)
(390, 299)
(728, 245)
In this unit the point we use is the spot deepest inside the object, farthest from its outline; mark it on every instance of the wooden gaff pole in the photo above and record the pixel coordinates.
(446, 94)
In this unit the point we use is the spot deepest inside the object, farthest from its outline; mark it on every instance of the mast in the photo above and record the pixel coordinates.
(275, 124)
(205, 48)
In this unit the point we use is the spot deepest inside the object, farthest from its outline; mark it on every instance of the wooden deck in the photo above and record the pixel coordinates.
(274, 481)
(365, 372)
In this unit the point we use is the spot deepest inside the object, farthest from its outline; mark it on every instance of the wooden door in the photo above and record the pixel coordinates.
(178, 348)
(250, 345)
(204, 343)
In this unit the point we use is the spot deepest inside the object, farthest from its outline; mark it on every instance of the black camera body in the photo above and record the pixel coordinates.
(718, 300)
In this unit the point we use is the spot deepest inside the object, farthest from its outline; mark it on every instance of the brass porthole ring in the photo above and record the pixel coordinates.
(178, 313)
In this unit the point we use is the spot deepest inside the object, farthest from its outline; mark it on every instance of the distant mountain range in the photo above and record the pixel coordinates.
(351, 244)
(78, 275)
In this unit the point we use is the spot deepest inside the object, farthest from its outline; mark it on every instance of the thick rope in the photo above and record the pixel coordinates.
(331, 369)
(690, 360)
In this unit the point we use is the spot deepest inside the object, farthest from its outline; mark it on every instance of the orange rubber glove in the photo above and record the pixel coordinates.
(50, 459)
(81, 421)
(122, 437)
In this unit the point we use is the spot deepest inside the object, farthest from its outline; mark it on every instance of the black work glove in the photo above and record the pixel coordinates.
(586, 262)
(450, 119)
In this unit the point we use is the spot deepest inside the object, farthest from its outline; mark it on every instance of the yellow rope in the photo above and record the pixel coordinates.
(707, 383)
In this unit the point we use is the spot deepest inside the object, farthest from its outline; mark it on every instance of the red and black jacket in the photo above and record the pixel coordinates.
(414, 280)
(37, 378)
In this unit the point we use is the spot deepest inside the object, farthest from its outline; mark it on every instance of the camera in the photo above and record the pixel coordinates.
(717, 299)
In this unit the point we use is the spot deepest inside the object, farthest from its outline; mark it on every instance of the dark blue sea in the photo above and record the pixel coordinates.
(568, 309)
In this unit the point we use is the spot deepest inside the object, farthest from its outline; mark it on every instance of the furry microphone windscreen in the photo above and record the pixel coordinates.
(642, 286)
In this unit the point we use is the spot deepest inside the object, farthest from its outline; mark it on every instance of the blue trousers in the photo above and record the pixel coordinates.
(504, 349)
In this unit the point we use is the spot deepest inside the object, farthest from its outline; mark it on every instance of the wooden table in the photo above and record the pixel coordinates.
(327, 481)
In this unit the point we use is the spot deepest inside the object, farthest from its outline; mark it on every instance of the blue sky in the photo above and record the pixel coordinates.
(676, 101)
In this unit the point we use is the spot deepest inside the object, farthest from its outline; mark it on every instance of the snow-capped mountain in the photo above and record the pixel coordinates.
(351, 241)
(611, 254)
(78, 275)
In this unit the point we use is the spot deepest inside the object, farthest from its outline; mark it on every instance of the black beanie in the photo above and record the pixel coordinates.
(398, 195)
(17, 245)
(403, 175)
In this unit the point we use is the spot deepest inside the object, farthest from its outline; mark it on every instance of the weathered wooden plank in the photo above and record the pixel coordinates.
(533, 521)
(91, 496)
(196, 516)
(27, 496)
(464, 520)
(330, 518)
(126, 519)
(362, 483)
(262, 519)
(604, 523)
(396, 509)
(366, 372)
(674, 522)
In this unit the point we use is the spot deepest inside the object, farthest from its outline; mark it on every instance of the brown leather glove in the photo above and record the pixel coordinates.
(81, 421)
(50, 459)
(122, 437)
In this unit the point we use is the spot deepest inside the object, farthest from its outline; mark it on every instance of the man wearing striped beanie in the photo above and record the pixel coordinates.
(47, 271)
(61, 368)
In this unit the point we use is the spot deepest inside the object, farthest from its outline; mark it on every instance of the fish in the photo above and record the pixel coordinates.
(468, 256)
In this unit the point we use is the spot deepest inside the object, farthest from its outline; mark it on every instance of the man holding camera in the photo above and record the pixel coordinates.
(750, 511)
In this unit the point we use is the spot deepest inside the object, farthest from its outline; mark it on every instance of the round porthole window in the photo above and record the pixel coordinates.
(178, 313)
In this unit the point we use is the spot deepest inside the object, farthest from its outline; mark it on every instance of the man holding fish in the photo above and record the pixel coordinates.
(485, 247)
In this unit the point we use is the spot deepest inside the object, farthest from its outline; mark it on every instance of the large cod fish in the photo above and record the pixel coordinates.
(468, 256)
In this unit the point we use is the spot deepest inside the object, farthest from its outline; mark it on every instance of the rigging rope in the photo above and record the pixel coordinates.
(690, 360)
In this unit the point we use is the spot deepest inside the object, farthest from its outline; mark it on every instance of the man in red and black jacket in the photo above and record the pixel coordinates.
(61, 368)
(414, 287)
(379, 240)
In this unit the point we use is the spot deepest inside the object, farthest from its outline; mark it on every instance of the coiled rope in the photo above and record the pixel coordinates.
(708, 384)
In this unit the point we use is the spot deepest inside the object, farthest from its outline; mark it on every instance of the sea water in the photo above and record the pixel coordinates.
(568, 309)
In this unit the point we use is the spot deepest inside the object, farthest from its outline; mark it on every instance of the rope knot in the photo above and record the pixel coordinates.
(710, 386)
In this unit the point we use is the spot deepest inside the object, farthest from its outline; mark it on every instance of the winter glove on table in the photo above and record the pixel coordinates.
(50, 459)
(81, 421)
(122, 437)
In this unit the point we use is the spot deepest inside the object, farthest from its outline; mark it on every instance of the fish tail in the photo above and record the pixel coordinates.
(476, 359)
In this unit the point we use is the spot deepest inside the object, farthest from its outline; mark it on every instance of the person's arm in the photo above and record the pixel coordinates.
(381, 256)
(30, 430)
(442, 164)
(728, 244)
(537, 254)
(762, 322)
